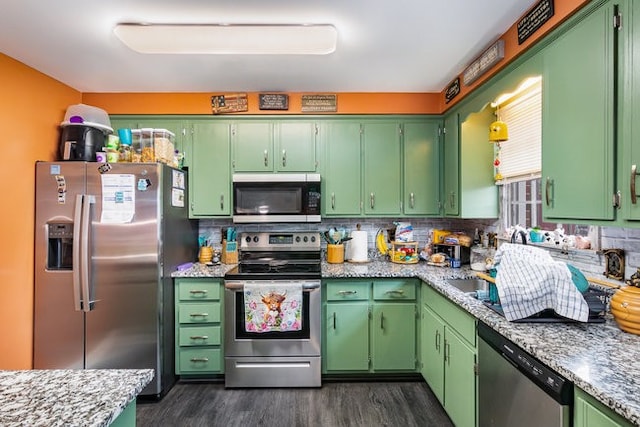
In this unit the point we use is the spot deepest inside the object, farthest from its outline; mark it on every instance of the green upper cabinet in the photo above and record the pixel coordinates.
(421, 163)
(209, 166)
(382, 167)
(629, 162)
(296, 146)
(270, 145)
(578, 120)
(341, 171)
(252, 146)
(450, 192)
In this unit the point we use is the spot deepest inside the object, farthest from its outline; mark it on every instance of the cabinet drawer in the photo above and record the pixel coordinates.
(199, 313)
(199, 360)
(394, 290)
(198, 290)
(199, 335)
(348, 290)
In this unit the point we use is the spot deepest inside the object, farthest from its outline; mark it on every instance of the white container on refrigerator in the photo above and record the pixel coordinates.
(107, 237)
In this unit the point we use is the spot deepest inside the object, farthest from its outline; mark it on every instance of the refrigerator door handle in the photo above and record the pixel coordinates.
(77, 219)
(87, 299)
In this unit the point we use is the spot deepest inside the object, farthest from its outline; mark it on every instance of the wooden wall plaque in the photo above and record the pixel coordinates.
(273, 101)
(319, 103)
(229, 103)
(534, 19)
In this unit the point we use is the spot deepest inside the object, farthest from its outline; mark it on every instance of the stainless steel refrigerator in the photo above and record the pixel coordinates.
(107, 237)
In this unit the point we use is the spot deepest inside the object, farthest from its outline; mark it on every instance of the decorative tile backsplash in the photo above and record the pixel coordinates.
(589, 261)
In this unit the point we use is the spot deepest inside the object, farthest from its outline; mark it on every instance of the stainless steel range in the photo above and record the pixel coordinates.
(272, 312)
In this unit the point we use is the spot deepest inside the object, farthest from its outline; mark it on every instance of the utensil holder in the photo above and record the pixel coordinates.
(229, 252)
(335, 254)
(205, 255)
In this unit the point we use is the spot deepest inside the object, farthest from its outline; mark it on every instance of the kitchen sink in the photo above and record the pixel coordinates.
(469, 285)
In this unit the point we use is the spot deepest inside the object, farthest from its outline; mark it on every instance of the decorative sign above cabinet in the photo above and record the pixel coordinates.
(452, 90)
(319, 103)
(534, 19)
(230, 103)
(273, 101)
(481, 65)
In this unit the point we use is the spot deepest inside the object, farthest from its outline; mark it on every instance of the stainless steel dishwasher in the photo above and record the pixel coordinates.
(515, 389)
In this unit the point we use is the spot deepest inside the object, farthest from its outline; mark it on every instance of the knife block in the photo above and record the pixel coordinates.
(229, 252)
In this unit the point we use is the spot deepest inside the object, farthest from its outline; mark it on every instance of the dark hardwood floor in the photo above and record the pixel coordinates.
(335, 404)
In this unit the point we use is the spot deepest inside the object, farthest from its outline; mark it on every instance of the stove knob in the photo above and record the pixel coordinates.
(305, 239)
(297, 239)
(248, 239)
(313, 239)
(255, 239)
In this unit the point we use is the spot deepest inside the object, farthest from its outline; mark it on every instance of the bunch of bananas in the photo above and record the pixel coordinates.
(381, 242)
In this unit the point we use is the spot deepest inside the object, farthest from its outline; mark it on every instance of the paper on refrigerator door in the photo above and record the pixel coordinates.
(118, 198)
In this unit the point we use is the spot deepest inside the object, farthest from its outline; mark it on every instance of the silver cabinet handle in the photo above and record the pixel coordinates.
(199, 337)
(395, 291)
(222, 202)
(632, 184)
(411, 200)
(333, 200)
(334, 320)
(381, 320)
(452, 199)
(343, 293)
(199, 359)
(372, 199)
(547, 189)
(199, 315)
(437, 340)
(198, 292)
(266, 158)
(284, 158)
(447, 349)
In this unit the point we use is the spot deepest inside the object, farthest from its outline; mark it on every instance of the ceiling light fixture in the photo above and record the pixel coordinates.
(263, 39)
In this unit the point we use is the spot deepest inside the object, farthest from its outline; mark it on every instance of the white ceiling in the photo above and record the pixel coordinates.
(383, 46)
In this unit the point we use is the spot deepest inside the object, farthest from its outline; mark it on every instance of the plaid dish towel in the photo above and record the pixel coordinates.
(529, 281)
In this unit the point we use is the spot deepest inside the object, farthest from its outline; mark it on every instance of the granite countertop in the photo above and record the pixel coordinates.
(91, 397)
(600, 358)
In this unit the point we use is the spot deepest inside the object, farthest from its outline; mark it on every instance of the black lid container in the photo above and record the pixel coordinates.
(81, 142)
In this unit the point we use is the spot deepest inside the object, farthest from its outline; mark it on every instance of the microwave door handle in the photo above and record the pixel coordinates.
(84, 254)
(77, 221)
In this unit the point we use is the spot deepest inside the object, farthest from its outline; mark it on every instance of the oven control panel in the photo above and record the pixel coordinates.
(273, 241)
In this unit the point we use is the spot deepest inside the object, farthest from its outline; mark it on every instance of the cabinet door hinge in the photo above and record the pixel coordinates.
(370, 313)
(617, 21)
(316, 127)
(400, 130)
(475, 369)
(616, 199)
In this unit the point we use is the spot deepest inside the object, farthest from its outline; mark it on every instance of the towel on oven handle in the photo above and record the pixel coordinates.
(272, 307)
(529, 280)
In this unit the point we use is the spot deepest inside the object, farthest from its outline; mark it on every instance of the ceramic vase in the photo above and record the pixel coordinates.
(625, 308)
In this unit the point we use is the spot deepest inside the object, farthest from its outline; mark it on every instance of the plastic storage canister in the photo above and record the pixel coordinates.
(136, 145)
(163, 143)
(125, 152)
(147, 154)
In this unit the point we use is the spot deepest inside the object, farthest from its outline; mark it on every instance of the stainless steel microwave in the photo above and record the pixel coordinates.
(274, 197)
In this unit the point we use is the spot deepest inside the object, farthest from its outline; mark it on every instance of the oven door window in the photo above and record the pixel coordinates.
(241, 330)
(262, 199)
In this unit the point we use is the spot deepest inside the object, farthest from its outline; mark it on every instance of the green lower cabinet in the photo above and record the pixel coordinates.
(347, 342)
(393, 332)
(370, 326)
(588, 412)
(449, 355)
(199, 331)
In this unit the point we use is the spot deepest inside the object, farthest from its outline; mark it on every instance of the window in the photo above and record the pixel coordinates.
(520, 162)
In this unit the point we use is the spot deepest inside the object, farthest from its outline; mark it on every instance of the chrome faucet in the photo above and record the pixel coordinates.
(522, 234)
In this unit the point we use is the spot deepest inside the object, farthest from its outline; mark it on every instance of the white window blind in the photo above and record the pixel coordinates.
(520, 155)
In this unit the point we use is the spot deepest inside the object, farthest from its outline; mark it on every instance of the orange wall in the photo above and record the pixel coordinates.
(32, 107)
(200, 103)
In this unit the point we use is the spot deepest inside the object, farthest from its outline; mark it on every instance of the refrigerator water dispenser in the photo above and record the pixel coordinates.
(60, 246)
